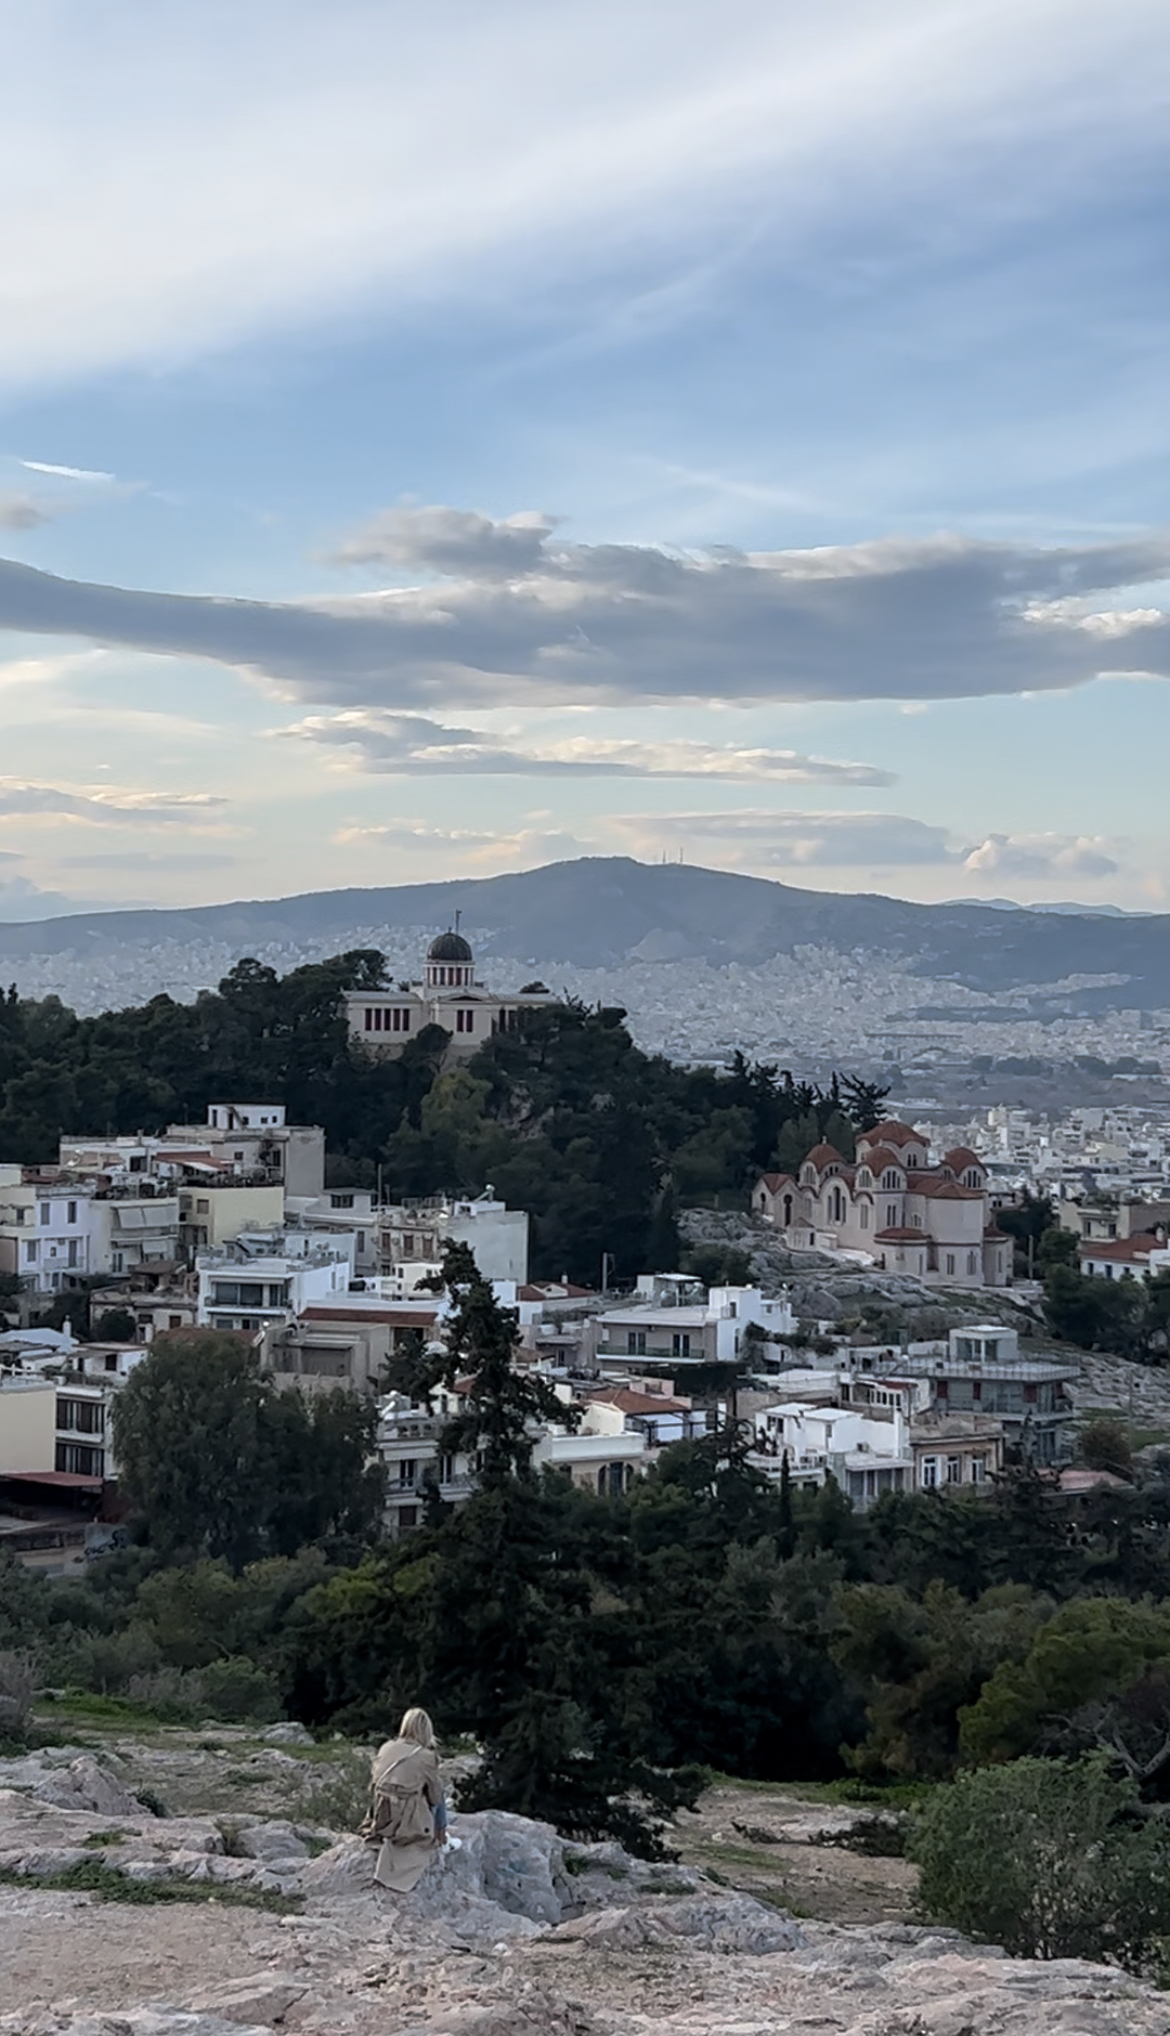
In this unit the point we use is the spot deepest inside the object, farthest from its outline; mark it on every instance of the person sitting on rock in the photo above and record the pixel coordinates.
(407, 1818)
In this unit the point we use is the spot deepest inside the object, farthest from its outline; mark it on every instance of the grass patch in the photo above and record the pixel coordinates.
(94, 1877)
(98, 1839)
(665, 1887)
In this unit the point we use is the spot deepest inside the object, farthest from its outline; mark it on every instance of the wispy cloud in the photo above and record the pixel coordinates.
(106, 806)
(901, 619)
(526, 845)
(397, 745)
(444, 148)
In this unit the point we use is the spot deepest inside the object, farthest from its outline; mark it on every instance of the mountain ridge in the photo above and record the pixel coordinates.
(602, 911)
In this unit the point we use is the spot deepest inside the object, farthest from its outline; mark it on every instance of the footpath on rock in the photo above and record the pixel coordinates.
(217, 1920)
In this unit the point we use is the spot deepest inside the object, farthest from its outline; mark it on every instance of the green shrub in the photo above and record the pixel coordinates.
(237, 1689)
(1049, 1859)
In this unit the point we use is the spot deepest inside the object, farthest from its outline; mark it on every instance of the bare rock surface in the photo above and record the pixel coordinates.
(517, 1934)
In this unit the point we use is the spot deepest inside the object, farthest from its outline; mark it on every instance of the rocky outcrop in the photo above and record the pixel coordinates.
(517, 1934)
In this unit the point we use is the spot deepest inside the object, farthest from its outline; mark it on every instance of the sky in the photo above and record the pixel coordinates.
(437, 441)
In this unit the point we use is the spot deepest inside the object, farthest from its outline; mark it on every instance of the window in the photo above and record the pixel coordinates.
(369, 1018)
(43, 1214)
(978, 1470)
(30, 1251)
(950, 1261)
(636, 1342)
(464, 1020)
(237, 1294)
(88, 1417)
(110, 1361)
(408, 1471)
(80, 1460)
(73, 1251)
(891, 1216)
(202, 1205)
(954, 1470)
(680, 1343)
(407, 1518)
(71, 1212)
(341, 1201)
(929, 1473)
(174, 1321)
(970, 1261)
(864, 1215)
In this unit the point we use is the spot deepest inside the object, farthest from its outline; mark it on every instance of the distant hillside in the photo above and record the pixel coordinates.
(600, 911)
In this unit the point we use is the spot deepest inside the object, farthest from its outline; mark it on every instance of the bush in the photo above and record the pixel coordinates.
(1049, 1859)
(236, 1689)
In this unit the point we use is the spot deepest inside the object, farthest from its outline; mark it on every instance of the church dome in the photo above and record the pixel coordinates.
(449, 947)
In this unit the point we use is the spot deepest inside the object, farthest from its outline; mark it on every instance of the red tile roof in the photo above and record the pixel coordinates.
(773, 1182)
(901, 1234)
(878, 1157)
(629, 1402)
(824, 1155)
(937, 1188)
(961, 1157)
(891, 1132)
(1122, 1250)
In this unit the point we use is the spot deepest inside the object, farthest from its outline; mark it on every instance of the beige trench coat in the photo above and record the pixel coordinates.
(404, 1791)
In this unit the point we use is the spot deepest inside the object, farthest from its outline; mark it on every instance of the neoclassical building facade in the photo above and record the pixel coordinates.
(449, 994)
(934, 1222)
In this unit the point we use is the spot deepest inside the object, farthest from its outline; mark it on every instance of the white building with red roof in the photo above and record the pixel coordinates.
(932, 1221)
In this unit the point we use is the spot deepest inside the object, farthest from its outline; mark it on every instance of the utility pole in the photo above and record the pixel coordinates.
(606, 1268)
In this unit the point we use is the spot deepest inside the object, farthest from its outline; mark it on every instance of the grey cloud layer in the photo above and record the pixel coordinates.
(392, 745)
(874, 840)
(936, 619)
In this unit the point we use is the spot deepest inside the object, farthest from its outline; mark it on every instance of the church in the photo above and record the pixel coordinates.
(449, 995)
(934, 1222)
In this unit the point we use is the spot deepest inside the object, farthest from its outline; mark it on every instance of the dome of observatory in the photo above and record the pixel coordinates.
(449, 947)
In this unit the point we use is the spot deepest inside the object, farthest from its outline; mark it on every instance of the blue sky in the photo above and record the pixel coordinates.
(738, 430)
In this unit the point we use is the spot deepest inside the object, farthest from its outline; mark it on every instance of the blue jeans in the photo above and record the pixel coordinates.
(441, 1818)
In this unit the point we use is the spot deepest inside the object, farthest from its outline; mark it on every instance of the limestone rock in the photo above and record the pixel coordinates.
(86, 1785)
(288, 1733)
(715, 1923)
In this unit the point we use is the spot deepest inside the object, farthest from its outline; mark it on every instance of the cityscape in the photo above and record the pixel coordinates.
(584, 1019)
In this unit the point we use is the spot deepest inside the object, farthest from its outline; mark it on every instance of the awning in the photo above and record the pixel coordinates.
(60, 1480)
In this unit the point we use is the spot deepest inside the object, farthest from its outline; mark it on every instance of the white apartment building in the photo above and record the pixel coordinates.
(449, 995)
(671, 1320)
(245, 1143)
(269, 1278)
(411, 1235)
(57, 1228)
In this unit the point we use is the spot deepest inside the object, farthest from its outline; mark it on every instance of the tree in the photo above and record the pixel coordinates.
(1047, 1859)
(502, 1409)
(216, 1462)
(1105, 1445)
(116, 1325)
(1091, 1649)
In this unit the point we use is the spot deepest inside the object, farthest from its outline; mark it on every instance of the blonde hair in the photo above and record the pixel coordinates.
(416, 1725)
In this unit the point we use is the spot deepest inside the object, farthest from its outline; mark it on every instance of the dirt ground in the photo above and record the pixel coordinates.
(56, 1948)
(774, 1843)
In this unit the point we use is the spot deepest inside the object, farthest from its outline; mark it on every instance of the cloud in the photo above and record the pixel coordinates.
(105, 806)
(527, 844)
(1041, 855)
(384, 161)
(22, 512)
(445, 540)
(67, 473)
(941, 618)
(395, 745)
(140, 859)
(796, 840)
(767, 839)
